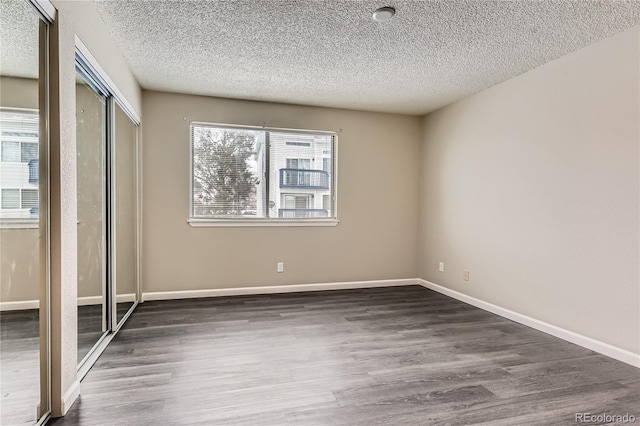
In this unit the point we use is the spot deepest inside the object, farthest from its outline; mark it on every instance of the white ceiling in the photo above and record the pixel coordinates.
(331, 53)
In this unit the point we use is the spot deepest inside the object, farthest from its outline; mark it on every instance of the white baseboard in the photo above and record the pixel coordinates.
(90, 300)
(19, 305)
(69, 397)
(579, 339)
(124, 298)
(82, 301)
(97, 300)
(217, 292)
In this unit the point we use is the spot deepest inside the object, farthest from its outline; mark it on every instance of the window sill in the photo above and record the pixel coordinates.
(213, 223)
(19, 224)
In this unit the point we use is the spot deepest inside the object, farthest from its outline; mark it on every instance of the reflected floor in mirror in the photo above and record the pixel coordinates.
(19, 358)
(90, 326)
(19, 367)
(381, 356)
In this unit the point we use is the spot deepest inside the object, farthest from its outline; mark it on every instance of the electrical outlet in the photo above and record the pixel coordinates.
(280, 266)
(465, 275)
(441, 267)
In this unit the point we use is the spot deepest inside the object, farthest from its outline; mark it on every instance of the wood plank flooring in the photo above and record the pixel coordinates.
(20, 362)
(19, 367)
(385, 356)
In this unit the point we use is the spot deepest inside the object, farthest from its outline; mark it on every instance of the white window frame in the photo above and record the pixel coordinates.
(261, 221)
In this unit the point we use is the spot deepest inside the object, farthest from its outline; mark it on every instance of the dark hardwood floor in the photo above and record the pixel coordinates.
(20, 362)
(385, 356)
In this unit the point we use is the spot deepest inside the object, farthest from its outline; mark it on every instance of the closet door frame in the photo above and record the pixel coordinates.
(46, 13)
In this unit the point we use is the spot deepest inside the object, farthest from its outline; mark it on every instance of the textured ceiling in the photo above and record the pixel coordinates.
(19, 26)
(331, 53)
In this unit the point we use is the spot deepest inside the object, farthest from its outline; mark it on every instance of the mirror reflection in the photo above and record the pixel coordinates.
(20, 293)
(125, 184)
(90, 147)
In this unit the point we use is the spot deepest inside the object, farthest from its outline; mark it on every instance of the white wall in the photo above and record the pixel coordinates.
(533, 186)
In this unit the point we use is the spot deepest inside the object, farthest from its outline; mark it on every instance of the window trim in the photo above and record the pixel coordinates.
(264, 222)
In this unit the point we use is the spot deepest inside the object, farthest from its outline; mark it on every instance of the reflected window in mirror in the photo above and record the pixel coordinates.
(24, 355)
(19, 165)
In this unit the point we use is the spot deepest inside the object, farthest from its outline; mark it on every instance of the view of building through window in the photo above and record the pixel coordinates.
(248, 173)
(301, 166)
(19, 164)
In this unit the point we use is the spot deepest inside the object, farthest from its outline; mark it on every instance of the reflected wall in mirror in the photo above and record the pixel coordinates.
(126, 212)
(91, 174)
(107, 202)
(21, 294)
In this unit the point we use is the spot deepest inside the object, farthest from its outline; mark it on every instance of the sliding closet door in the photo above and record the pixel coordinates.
(107, 191)
(91, 136)
(24, 295)
(125, 196)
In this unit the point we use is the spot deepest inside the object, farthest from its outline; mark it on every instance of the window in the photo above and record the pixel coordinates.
(296, 174)
(292, 201)
(28, 151)
(29, 198)
(10, 152)
(10, 199)
(261, 175)
(19, 136)
(299, 163)
(326, 164)
(19, 177)
(19, 203)
(18, 152)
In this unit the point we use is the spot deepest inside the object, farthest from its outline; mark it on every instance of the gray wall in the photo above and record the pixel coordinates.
(20, 268)
(533, 186)
(377, 201)
(18, 92)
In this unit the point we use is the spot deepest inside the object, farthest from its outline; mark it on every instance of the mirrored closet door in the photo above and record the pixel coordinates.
(107, 197)
(24, 197)
(125, 219)
(91, 144)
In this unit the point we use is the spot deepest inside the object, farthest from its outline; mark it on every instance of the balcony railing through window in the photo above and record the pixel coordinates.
(302, 213)
(305, 179)
(34, 173)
